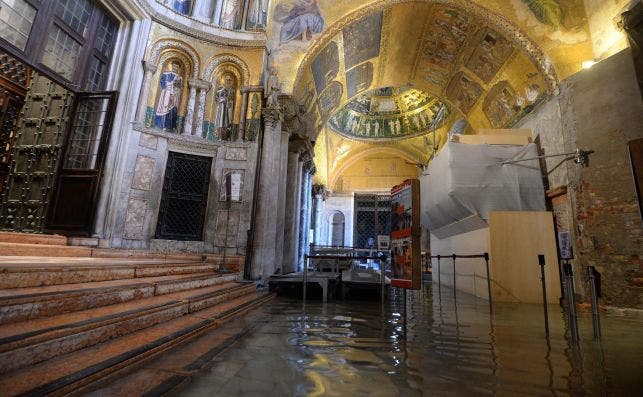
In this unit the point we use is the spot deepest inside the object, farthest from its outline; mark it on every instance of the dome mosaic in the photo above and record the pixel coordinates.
(390, 113)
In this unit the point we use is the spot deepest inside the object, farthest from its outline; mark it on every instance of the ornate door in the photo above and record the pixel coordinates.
(185, 197)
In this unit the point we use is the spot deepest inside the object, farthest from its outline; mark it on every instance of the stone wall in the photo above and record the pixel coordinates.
(142, 185)
(599, 109)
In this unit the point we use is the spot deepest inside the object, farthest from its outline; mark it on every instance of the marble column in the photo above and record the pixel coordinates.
(293, 218)
(281, 200)
(241, 136)
(203, 88)
(189, 117)
(318, 209)
(263, 252)
(304, 242)
(145, 92)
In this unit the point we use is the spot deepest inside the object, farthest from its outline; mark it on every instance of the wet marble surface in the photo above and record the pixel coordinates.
(437, 345)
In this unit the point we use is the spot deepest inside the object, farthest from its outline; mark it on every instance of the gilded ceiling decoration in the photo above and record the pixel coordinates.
(389, 113)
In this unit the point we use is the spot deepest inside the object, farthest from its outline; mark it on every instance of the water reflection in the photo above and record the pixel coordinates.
(426, 342)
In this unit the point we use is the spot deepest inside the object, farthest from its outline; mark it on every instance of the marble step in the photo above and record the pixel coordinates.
(74, 372)
(30, 342)
(21, 304)
(176, 367)
(31, 249)
(32, 272)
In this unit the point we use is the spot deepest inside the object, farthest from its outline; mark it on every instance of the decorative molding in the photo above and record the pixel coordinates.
(164, 44)
(200, 33)
(189, 141)
(251, 88)
(220, 59)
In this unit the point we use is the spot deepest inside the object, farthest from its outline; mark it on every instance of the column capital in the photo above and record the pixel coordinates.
(319, 190)
(300, 146)
(272, 116)
(199, 84)
(149, 67)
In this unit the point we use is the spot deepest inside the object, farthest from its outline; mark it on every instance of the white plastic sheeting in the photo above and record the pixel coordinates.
(464, 182)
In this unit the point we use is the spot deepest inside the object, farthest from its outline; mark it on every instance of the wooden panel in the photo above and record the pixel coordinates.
(495, 139)
(516, 240)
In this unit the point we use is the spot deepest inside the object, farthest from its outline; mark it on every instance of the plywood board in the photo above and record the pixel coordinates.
(515, 241)
(504, 139)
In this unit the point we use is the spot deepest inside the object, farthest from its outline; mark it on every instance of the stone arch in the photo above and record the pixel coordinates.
(354, 158)
(161, 46)
(221, 59)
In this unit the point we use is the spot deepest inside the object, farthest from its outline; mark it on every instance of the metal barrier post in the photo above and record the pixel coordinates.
(541, 262)
(382, 279)
(305, 277)
(453, 256)
(571, 304)
(486, 262)
(596, 321)
(439, 279)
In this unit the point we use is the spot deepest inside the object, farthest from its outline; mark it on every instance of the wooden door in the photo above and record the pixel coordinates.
(76, 191)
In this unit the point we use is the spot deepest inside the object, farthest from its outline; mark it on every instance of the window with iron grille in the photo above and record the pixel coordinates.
(372, 218)
(185, 197)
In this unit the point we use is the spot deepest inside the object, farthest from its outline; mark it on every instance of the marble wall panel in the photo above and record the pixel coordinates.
(143, 172)
(135, 220)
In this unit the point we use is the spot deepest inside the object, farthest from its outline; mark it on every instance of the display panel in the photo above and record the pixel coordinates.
(405, 235)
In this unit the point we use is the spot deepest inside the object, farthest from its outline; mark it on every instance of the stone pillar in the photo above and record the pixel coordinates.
(304, 240)
(318, 209)
(293, 215)
(203, 87)
(281, 200)
(263, 252)
(242, 117)
(189, 117)
(145, 92)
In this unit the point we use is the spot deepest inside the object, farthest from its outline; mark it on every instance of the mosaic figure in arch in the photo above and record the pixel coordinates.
(224, 98)
(231, 14)
(257, 14)
(169, 98)
(182, 6)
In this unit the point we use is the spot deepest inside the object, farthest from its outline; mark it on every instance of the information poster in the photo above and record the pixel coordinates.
(405, 235)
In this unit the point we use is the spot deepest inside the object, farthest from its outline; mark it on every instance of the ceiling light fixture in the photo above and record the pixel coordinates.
(588, 64)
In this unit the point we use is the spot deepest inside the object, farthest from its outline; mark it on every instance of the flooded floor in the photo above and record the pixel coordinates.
(437, 345)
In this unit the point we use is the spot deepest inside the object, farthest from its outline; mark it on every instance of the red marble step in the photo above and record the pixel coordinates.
(168, 371)
(35, 341)
(78, 370)
(22, 273)
(21, 304)
(30, 238)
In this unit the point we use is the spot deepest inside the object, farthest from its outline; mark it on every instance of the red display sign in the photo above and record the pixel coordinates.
(405, 235)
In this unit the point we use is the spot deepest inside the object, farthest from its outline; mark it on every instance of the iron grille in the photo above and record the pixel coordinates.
(185, 197)
(372, 218)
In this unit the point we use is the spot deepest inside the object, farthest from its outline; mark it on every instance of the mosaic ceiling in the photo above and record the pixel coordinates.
(390, 113)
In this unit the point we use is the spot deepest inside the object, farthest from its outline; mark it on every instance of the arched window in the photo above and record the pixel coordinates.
(337, 229)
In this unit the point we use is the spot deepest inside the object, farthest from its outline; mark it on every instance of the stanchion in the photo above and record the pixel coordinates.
(305, 277)
(571, 304)
(439, 279)
(454, 293)
(486, 262)
(541, 262)
(596, 321)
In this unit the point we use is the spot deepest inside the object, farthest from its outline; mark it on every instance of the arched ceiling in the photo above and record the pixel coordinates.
(480, 63)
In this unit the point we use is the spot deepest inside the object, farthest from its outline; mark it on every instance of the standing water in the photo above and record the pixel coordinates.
(432, 344)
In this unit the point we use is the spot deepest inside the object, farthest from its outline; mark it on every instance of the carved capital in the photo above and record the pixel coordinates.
(149, 67)
(272, 116)
(199, 84)
(319, 190)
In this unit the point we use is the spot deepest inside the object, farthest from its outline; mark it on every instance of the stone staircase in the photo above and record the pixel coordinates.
(67, 322)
